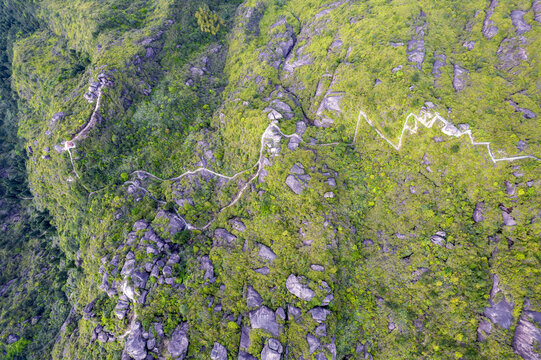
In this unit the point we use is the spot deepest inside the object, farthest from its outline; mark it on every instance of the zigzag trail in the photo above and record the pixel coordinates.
(428, 120)
(425, 118)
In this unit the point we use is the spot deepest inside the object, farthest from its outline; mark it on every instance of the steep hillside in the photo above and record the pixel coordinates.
(281, 179)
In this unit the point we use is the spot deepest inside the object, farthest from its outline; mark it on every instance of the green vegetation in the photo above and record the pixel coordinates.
(193, 86)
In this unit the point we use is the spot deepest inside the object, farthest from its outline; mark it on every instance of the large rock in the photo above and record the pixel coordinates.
(122, 307)
(301, 291)
(313, 343)
(174, 223)
(207, 267)
(527, 336)
(12, 338)
(483, 330)
(460, 78)
(536, 6)
(319, 314)
(219, 352)
(508, 220)
(266, 253)
(489, 28)
(253, 299)
(517, 17)
(178, 346)
(272, 350)
(280, 45)
(245, 356)
(512, 52)
(223, 237)
(294, 184)
(244, 338)
(478, 212)
(136, 345)
(440, 61)
(500, 313)
(264, 318)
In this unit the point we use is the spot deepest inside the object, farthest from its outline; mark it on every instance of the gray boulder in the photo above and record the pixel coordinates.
(139, 278)
(245, 356)
(207, 267)
(219, 352)
(223, 237)
(297, 169)
(263, 271)
(460, 78)
(128, 267)
(489, 28)
(136, 345)
(264, 318)
(317, 267)
(500, 313)
(319, 314)
(536, 6)
(313, 343)
(174, 223)
(12, 338)
(508, 220)
(272, 350)
(294, 184)
(441, 61)
(178, 346)
(416, 46)
(483, 330)
(238, 225)
(253, 299)
(122, 307)
(517, 17)
(293, 312)
(528, 336)
(478, 212)
(244, 338)
(321, 330)
(512, 52)
(301, 291)
(266, 253)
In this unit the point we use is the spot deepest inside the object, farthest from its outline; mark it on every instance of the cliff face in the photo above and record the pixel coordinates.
(279, 180)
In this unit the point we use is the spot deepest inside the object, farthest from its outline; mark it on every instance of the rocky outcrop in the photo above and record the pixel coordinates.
(527, 337)
(223, 237)
(219, 352)
(460, 78)
(313, 343)
(319, 314)
(297, 181)
(266, 253)
(517, 17)
(12, 338)
(416, 46)
(478, 212)
(282, 40)
(440, 61)
(207, 267)
(500, 313)
(508, 220)
(178, 345)
(272, 350)
(174, 224)
(136, 345)
(489, 27)
(526, 113)
(253, 299)
(264, 318)
(536, 7)
(300, 290)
